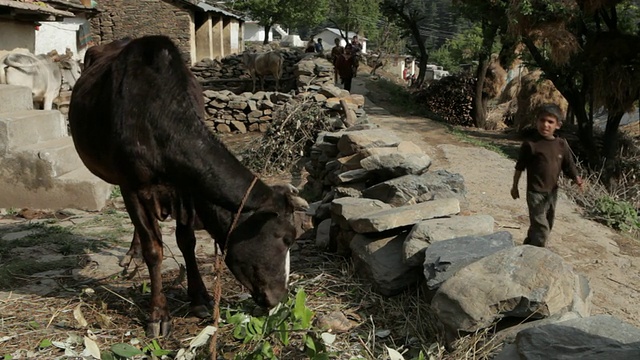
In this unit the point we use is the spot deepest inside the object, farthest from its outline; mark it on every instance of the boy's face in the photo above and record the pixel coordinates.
(547, 125)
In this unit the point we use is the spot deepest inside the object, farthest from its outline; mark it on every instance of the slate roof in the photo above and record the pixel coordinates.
(32, 7)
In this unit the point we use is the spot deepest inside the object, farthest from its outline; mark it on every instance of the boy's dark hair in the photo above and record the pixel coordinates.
(551, 109)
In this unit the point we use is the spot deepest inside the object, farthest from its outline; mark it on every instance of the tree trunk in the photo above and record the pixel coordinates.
(424, 55)
(489, 32)
(609, 147)
(267, 30)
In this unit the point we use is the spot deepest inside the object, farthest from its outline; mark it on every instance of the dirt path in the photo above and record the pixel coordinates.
(610, 261)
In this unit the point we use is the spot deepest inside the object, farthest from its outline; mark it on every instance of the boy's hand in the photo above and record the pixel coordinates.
(580, 184)
(515, 193)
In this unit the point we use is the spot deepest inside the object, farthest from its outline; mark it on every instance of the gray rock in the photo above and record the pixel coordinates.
(322, 234)
(357, 175)
(445, 258)
(590, 338)
(404, 147)
(404, 216)
(223, 128)
(239, 125)
(411, 189)
(239, 105)
(429, 231)
(523, 282)
(353, 141)
(393, 165)
(380, 260)
(330, 91)
(348, 208)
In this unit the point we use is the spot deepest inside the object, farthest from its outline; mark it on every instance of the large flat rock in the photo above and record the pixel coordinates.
(429, 231)
(404, 216)
(353, 141)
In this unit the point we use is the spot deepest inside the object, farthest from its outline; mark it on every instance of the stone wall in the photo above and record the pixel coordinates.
(234, 109)
(298, 70)
(228, 112)
(122, 18)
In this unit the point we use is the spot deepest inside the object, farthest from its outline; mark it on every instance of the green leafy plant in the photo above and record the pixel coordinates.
(264, 335)
(619, 214)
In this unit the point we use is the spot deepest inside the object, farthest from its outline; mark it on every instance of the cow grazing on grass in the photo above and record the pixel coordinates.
(262, 64)
(136, 117)
(39, 73)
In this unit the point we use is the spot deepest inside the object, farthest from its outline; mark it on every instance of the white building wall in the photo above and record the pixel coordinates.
(255, 32)
(235, 36)
(14, 34)
(328, 38)
(59, 36)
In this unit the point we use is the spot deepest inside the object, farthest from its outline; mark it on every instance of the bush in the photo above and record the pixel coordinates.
(618, 214)
(293, 130)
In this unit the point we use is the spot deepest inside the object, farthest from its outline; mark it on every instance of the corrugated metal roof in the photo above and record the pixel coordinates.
(207, 7)
(29, 6)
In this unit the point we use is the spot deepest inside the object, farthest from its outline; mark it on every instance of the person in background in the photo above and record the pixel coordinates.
(356, 52)
(319, 47)
(544, 157)
(346, 65)
(337, 51)
(311, 47)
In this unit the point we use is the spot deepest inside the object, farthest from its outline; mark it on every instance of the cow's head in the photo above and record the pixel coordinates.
(70, 69)
(258, 250)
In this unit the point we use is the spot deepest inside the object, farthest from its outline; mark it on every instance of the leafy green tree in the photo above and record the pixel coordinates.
(464, 48)
(492, 20)
(409, 15)
(288, 12)
(358, 16)
(589, 50)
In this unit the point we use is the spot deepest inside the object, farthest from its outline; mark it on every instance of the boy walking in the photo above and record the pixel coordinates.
(544, 157)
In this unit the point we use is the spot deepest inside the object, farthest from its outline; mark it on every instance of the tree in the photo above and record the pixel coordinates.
(491, 17)
(288, 12)
(358, 16)
(461, 49)
(408, 15)
(589, 50)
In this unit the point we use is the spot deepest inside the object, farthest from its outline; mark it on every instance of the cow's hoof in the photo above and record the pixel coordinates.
(202, 311)
(158, 328)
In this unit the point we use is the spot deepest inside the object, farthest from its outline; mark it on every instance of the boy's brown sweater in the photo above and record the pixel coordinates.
(544, 159)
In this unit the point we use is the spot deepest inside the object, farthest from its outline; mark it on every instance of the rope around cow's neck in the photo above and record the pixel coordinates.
(217, 290)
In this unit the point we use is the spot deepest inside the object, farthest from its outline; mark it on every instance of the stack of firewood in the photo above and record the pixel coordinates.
(451, 98)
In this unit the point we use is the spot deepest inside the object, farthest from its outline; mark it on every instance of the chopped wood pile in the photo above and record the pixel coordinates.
(451, 98)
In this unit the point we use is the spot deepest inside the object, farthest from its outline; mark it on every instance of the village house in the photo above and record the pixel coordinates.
(255, 32)
(199, 28)
(72, 33)
(328, 35)
(19, 21)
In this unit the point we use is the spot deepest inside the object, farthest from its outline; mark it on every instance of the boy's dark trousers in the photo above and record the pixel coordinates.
(347, 83)
(542, 211)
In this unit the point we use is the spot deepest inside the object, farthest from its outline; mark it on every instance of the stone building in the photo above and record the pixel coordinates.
(199, 28)
(18, 23)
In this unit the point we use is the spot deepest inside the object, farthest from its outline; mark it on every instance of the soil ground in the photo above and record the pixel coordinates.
(55, 265)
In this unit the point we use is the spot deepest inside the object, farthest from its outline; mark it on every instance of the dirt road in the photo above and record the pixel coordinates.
(610, 261)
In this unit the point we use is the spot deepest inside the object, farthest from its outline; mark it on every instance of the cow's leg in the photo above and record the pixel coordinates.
(47, 102)
(146, 225)
(134, 253)
(253, 78)
(201, 304)
(277, 83)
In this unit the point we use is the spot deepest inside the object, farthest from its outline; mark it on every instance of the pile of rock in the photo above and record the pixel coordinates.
(227, 112)
(231, 67)
(313, 72)
(401, 224)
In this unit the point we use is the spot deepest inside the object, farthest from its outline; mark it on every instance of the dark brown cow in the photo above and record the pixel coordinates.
(136, 117)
